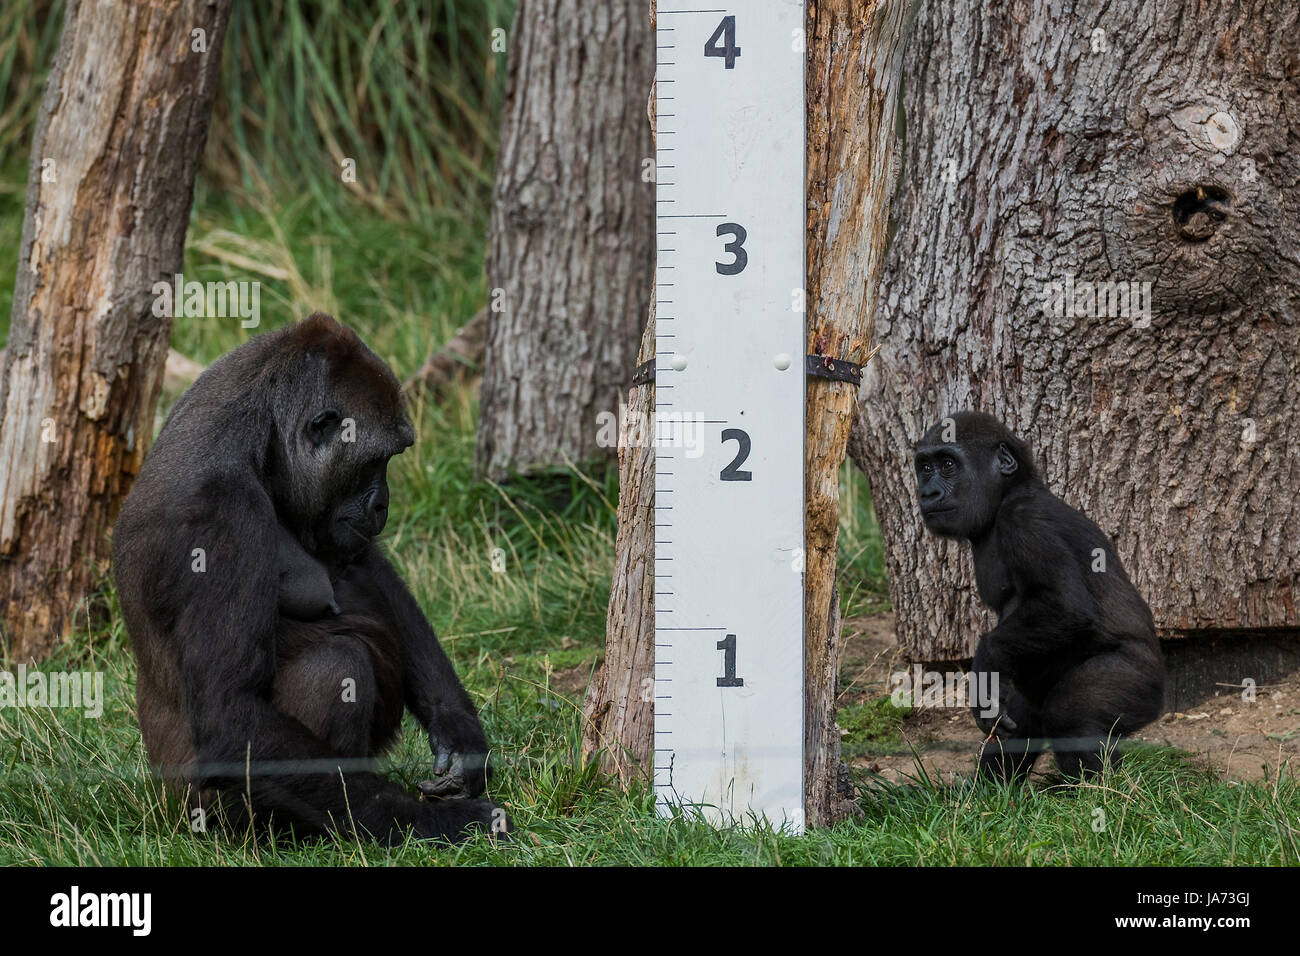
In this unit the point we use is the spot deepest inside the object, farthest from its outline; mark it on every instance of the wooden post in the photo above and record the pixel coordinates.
(854, 67)
(618, 714)
(854, 64)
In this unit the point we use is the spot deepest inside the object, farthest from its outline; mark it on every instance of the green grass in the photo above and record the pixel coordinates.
(400, 258)
(76, 791)
(862, 580)
(870, 725)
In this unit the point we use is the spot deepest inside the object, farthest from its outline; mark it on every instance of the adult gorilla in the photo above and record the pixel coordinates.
(287, 438)
(1075, 649)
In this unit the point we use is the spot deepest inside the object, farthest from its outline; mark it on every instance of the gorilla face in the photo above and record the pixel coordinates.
(961, 483)
(348, 474)
(329, 477)
(953, 499)
(357, 516)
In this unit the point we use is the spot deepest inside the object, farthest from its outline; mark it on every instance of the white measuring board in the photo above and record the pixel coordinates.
(729, 482)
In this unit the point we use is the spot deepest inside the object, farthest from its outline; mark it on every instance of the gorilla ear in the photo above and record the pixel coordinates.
(1006, 462)
(322, 426)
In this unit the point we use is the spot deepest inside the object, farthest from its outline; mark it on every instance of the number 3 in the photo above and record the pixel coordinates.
(735, 247)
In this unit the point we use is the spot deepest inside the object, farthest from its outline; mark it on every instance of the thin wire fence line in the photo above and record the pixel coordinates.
(274, 768)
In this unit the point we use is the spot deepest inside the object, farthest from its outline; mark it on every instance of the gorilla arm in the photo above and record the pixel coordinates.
(226, 648)
(434, 694)
(1050, 619)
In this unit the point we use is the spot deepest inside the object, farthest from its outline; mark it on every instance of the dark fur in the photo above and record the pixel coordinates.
(250, 455)
(1075, 650)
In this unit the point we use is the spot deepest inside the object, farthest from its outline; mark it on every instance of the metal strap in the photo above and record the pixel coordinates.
(837, 370)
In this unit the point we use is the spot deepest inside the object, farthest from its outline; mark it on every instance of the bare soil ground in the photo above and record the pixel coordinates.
(1225, 734)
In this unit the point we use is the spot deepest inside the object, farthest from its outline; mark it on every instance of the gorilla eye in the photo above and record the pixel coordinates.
(320, 427)
(949, 466)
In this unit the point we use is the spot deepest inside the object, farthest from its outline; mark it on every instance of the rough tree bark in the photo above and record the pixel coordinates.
(1082, 141)
(118, 142)
(618, 714)
(571, 245)
(854, 65)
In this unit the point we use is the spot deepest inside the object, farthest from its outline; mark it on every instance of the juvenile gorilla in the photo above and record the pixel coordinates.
(276, 645)
(1074, 651)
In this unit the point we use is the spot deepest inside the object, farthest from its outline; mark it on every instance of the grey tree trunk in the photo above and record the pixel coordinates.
(111, 180)
(854, 67)
(1066, 142)
(571, 244)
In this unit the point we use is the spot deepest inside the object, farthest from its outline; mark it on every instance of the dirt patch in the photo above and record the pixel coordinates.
(1230, 736)
(572, 681)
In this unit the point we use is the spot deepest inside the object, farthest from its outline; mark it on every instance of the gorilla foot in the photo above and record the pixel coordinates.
(456, 820)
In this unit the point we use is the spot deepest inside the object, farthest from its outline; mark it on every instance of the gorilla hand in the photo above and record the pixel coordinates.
(460, 757)
(1003, 726)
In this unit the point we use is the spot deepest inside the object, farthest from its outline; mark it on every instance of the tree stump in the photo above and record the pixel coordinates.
(118, 142)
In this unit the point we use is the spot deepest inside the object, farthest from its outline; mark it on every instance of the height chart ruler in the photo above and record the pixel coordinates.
(729, 377)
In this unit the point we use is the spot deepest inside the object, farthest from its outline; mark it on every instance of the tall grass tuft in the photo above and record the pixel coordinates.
(408, 89)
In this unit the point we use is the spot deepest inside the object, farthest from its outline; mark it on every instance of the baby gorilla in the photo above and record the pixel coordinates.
(1075, 654)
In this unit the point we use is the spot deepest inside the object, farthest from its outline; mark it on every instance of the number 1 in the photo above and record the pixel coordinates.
(729, 678)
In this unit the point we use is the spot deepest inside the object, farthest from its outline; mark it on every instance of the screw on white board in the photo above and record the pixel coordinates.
(729, 517)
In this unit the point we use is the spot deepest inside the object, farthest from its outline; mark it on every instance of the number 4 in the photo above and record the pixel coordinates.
(727, 31)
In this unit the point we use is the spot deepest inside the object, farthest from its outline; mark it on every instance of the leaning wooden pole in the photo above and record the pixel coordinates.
(854, 64)
(618, 715)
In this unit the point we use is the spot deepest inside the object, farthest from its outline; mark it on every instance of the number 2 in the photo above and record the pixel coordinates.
(732, 472)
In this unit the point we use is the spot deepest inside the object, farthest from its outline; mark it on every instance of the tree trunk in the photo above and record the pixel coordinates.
(571, 245)
(854, 65)
(110, 185)
(1069, 142)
